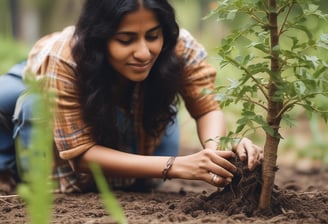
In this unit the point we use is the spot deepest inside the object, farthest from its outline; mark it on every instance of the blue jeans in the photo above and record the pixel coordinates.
(19, 116)
(170, 142)
(11, 86)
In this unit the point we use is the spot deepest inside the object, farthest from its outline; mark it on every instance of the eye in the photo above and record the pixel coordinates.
(125, 41)
(124, 38)
(152, 37)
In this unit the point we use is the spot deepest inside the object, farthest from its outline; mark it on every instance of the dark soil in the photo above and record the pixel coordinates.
(301, 197)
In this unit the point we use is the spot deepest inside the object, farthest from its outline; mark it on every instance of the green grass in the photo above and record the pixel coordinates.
(35, 164)
(35, 161)
(11, 52)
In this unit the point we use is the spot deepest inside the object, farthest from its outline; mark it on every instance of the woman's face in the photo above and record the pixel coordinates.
(136, 45)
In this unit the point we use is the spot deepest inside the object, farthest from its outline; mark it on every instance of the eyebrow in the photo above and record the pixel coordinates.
(133, 33)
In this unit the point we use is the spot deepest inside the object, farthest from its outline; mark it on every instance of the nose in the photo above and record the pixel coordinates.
(142, 51)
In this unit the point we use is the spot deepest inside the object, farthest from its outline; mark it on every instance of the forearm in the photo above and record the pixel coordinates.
(115, 163)
(195, 166)
(211, 126)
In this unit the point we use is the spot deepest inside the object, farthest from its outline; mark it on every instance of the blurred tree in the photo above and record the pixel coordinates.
(14, 15)
(27, 20)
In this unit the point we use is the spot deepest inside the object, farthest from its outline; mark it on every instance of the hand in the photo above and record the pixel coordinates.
(209, 165)
(245, 149)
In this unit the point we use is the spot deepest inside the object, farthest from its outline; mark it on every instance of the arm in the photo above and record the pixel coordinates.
(200, 75)
(116, 163)
(210, 126)
(195, 166)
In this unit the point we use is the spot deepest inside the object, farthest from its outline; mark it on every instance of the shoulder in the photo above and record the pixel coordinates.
(55, 46)
(189, 48)
(185, 35)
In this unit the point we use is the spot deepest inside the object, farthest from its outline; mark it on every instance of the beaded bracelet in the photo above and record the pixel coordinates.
(167, 167)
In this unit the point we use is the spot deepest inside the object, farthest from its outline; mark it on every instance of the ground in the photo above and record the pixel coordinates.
(181, 201)
(302, 186)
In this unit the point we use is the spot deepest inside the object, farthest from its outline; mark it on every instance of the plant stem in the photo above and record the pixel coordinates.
(272, 142)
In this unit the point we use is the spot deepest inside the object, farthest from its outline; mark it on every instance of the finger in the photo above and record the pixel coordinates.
(218, 181)
(247, 150)
(259, 155)
(223, 166)
(255, 156)
(241, 148)
(225, 154)
(219, 170)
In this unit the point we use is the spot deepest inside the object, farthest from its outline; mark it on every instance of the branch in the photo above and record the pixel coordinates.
(9, 196)
(282, 8)
(238, 65)
(293, 102)
(313, 108)
(3, 197)
(248, 99)
(286, 17)
(257, 19)
(251, 129)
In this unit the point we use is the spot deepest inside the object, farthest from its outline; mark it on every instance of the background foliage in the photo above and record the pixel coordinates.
(54, 15)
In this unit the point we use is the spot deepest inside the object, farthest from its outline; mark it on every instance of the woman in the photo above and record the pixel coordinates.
(117, 76)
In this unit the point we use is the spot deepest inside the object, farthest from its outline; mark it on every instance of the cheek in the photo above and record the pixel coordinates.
(116, 53)
(159, 46)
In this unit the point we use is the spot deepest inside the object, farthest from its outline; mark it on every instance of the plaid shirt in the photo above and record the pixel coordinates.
(51, 57)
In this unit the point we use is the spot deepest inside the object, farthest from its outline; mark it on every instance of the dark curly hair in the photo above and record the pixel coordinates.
(98, 22)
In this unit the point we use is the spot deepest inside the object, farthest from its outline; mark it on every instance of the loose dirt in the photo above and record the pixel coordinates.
(302, 197)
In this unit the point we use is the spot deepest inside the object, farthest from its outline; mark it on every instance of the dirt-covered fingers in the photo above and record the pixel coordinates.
(241, 148)
(217, 180)
(255, 156)
(247, 150)
(260, 155)
(219, 169)
(222, 166)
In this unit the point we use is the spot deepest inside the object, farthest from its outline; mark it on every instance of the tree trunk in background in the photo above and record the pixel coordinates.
(65, 13)
(29, 25)
(31, 19)
(14, 17)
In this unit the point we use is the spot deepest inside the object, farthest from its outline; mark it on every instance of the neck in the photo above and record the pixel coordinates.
(124, 91)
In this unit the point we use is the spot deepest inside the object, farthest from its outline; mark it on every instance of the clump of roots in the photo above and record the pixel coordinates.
(242, 194)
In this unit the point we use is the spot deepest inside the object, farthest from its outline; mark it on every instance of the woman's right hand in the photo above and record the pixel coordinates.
(208, 165)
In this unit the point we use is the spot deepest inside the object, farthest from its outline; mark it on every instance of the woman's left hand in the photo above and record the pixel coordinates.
(246, 149)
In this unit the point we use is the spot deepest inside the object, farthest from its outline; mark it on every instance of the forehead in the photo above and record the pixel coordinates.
(140, 20)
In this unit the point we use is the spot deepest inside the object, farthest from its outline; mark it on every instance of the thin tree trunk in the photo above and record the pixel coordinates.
(272, 142)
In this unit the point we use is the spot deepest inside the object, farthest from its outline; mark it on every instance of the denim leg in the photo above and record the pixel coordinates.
(23, 125)
(11, 86)
(7, 151)
(23, 119)
(170, 142)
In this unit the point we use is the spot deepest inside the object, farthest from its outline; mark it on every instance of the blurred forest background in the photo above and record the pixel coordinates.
(22, 22)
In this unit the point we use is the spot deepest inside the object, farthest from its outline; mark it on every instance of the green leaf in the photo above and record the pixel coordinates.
(111, 204)
(276, 48)
(313, 59)
(323, 41)
(269, 130)
(290, 121)
(232, 14)
(313, 7)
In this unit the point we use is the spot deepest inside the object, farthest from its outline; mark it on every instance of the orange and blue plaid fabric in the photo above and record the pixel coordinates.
(51, 58)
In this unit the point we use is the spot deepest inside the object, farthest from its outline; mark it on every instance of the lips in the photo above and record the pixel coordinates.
(140, 67)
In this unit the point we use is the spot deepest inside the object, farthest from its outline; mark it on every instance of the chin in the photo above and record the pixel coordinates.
(139, 77)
